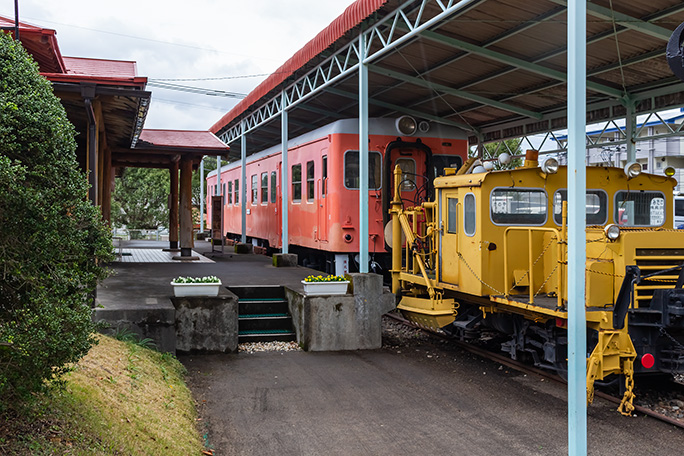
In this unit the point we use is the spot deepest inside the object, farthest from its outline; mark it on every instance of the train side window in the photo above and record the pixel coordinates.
(310, 180)
(452, 215)
(408, 173)
(264, 188)
(597, 206)
(274, 185)
(224, 189)
(255, 192)
(237, 191)
(469, 213)
(639, 208)
(230, 193)
(324, 178)
(518, 206)
(351, 170)
(296, 182)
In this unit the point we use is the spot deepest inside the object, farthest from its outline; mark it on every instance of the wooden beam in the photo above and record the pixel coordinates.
(173, 208)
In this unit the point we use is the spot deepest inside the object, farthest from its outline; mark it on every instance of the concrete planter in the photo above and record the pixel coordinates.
(325, 288)
(195, 289)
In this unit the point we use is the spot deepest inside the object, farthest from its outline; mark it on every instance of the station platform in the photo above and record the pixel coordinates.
(138, 292)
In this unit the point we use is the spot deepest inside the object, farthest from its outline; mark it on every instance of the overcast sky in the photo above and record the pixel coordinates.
(170, 39)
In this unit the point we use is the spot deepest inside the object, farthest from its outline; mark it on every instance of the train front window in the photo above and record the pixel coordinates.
(597, 206)
(639, 208)
(408, 173)
(518, 206)
(439, 162)
(351, 170)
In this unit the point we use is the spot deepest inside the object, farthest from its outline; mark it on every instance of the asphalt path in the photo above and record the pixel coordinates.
(414, 399)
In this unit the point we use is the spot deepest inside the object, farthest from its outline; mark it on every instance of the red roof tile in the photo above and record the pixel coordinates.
(174, 139)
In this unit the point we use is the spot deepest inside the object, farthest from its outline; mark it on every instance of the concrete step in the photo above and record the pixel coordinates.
(266, 336)
(262, 306)
(265, 322)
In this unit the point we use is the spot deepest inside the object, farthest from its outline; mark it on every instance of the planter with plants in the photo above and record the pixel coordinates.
(196, 286)
(325, 285)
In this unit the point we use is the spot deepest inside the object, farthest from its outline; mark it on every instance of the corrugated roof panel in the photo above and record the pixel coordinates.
(351, 17)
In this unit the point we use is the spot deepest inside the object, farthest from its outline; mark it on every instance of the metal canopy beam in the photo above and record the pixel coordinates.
(625, 20)
(516, 62)
(411, 112)
(458, 93)
(382, 37)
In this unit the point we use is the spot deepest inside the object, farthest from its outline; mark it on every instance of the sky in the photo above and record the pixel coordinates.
(239, 41)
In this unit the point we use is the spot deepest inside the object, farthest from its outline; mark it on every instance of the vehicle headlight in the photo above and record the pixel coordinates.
(550, 166)
(612, 232)
(632, 169)
(406, 125)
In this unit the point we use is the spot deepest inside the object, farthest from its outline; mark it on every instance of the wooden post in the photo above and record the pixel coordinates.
(173, 208)
(107, 186)
(186, 234)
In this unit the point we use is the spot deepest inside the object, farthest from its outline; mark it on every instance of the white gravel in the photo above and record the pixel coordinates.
(255, 347)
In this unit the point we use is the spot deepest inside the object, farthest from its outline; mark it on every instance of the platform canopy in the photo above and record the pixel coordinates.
(496, 68)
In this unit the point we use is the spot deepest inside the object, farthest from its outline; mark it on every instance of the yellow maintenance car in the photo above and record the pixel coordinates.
(491, 252)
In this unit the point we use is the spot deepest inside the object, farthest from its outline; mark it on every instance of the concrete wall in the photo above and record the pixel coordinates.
(207, 323)
(156, 323)
(345, 322)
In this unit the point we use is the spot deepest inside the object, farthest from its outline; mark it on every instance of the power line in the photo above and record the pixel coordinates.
(192, 89)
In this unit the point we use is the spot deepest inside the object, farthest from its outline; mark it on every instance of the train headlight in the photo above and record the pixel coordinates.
(612, 232)
(488, 165)
(632, 169)
(550, 166)
(670, 171)
(504, 158)
(406, 125)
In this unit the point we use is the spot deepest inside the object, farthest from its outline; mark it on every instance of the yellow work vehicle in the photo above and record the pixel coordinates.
(491, 252)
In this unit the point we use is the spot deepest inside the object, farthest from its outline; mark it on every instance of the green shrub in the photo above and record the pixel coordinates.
(51, 237)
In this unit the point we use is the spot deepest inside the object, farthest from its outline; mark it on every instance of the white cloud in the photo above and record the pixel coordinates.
(211, 38)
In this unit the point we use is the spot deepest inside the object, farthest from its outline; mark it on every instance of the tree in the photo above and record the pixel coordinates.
(141, 199)
(51, 237)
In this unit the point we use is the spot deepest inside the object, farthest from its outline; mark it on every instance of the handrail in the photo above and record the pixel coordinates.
(531, 261)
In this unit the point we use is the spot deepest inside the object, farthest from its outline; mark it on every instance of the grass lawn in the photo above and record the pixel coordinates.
(121, 399)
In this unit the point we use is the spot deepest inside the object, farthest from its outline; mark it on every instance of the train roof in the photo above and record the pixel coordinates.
(376, 126)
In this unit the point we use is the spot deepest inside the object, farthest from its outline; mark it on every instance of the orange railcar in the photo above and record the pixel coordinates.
(323, 178)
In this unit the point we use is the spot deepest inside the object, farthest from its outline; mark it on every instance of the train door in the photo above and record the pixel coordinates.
(412, 158)
(448, 242)
(322, 200)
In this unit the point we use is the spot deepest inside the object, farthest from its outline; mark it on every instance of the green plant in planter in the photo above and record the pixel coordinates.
(206, 279)
(320, 278)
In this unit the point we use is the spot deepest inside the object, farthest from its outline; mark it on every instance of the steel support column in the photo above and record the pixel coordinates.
(630, 131)
(218, 186)
(363, 156)
(243, 178)
(202, 183)
(284, 181)
(577, 185)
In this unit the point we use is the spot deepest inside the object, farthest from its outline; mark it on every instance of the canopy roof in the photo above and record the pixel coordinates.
(496, 68)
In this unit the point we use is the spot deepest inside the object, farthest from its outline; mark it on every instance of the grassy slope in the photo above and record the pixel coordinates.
(120, 399)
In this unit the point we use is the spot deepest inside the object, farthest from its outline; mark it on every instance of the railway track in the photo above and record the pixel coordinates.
(506, 361)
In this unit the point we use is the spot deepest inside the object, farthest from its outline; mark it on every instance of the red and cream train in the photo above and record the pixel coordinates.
(323, 176)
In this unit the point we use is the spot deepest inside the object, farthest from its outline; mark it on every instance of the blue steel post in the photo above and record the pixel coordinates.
(202, 195)
(363, 156)
(284, 184)
(218, 181)
(243, 186)
(577, 186)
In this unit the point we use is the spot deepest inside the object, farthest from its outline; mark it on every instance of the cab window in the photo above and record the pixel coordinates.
(597, 206)
(518, 206)
(639, 208)
(408, 173)
(452, 215)
(469, 214)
